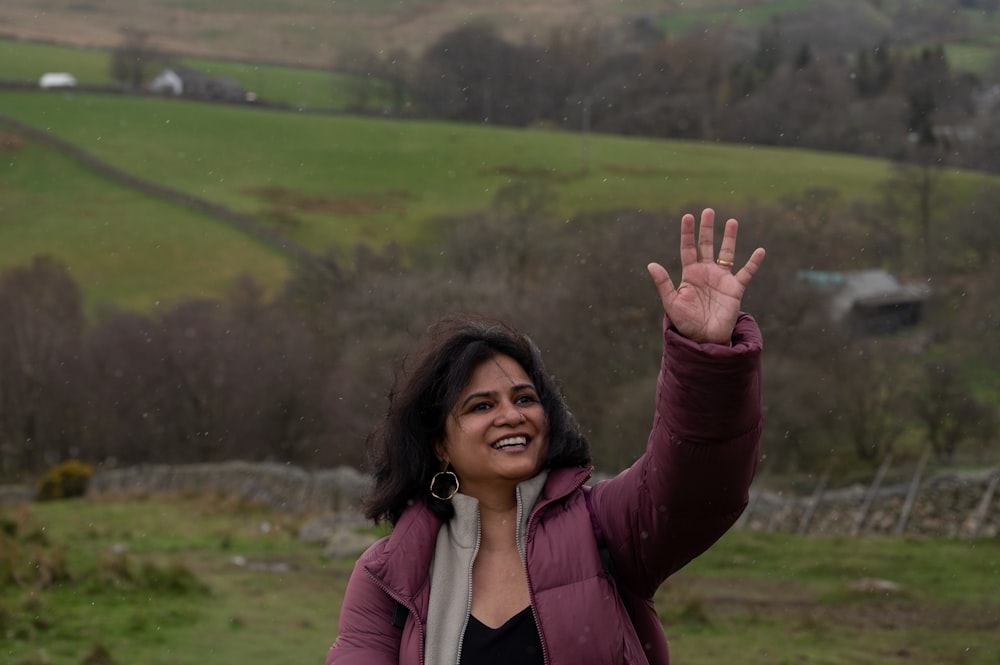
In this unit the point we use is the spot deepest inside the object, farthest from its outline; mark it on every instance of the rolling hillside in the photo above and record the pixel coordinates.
(329, 182)
(314, 32)
(122, 247)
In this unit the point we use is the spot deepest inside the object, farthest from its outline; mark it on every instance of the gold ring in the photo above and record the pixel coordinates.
(723, 262)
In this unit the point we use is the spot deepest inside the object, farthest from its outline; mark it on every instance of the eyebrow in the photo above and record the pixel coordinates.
(491, 393)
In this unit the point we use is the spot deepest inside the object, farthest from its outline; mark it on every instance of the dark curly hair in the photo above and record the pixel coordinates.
(402, 449)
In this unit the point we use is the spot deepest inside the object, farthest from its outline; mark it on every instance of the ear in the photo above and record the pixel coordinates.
(441, 452)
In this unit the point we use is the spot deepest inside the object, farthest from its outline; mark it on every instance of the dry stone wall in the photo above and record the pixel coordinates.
(958, 504)
(951, 504)
(280, 486)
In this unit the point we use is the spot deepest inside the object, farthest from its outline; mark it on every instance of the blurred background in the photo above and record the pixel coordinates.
(223, 223)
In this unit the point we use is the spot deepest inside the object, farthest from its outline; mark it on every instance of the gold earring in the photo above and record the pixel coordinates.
(434, 480)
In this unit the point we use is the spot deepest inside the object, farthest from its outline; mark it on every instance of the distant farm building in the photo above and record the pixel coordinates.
(57, 80)
(869, 302)
(198, 85)
(168, 83)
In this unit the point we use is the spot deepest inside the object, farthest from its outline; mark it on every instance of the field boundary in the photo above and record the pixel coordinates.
(955, 504)
(243, 222)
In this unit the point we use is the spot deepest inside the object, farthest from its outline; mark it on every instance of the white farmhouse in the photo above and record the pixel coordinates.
(57, 80)
(168, 83)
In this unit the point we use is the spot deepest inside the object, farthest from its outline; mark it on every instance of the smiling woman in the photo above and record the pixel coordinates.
(500, 552)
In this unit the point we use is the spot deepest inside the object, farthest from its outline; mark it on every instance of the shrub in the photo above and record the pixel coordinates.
(65, 480)
(118, 570)
(174, 578)
(99, 655)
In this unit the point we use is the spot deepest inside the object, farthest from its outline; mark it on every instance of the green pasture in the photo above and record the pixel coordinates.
(331, 182)
(300, 88)
(27, 61)
(976, 58)
(738, 14)
(119, 245)
(232, 584)
(346, 179)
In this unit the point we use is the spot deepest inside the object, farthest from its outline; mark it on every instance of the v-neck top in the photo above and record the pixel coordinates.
(516, 641)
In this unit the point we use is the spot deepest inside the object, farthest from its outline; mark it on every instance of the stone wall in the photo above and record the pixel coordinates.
(957, 504)
(280, 486)
(951, 504)
(241, 221)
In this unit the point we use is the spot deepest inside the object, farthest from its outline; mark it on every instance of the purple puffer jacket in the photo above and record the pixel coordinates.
(676, 500)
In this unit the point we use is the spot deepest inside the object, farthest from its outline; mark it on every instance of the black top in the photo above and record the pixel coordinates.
(516, 641)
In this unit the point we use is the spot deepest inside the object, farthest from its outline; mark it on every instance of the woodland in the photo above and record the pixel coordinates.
(300, 376)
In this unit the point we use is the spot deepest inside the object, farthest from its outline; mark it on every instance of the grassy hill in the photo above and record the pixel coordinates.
(331, 182)
(299, 87)
(313, 32)
(121, 246)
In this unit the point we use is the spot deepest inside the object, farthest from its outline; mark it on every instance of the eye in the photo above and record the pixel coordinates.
(526, 398)
(480, 406)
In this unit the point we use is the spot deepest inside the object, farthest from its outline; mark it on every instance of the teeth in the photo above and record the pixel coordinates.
(512, 441)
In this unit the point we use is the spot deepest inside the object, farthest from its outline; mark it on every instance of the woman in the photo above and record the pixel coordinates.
(496, 551)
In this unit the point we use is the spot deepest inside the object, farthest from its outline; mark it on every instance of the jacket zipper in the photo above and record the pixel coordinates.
(524, 564)
(468, 600)
(409, 608)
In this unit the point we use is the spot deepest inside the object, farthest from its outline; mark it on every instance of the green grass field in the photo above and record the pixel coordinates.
(27, 61)
(299, 87)
(121, 247)
(331, 182)
(754, 598)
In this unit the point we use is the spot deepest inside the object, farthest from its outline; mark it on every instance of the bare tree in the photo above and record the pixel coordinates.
(869, 384)
(948, 409)
(912, 198)
(133, 61)
(41, 327)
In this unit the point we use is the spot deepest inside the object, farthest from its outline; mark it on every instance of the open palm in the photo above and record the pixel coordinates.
(706, 303)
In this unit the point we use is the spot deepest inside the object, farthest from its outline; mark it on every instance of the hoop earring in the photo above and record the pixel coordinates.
(434, 481)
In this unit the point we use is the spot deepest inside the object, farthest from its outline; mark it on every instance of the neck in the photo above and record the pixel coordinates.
(497, 497)
(498, 526)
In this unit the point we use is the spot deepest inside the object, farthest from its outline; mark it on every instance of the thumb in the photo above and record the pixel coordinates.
(661, 278)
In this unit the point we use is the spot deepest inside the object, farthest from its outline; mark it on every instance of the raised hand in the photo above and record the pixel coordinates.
(706, 303)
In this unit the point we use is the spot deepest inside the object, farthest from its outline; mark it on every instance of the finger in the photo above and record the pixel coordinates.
(706, 236)
(746, 273)
(689, 253)
(664, 285)
(727, 250)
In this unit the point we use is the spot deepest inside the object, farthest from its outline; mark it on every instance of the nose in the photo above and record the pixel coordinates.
(509, 414)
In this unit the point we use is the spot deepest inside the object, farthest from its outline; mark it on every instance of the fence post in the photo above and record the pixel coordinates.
(911, 493)
(979, 516)
(776, 516)
(813, 503)
(869, 499)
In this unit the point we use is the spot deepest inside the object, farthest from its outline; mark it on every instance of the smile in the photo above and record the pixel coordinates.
(511, 442)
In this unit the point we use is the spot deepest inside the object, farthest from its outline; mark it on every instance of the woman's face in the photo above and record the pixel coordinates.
(497, 432)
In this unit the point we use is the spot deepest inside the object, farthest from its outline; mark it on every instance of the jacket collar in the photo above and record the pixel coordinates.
(403, 564)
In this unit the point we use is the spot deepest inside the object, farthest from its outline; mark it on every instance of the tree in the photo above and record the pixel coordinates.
(41, 327)
(472, 74)
(359, 63)
(870, 394)
(133, 60)
(916, 192)
(948, 410)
